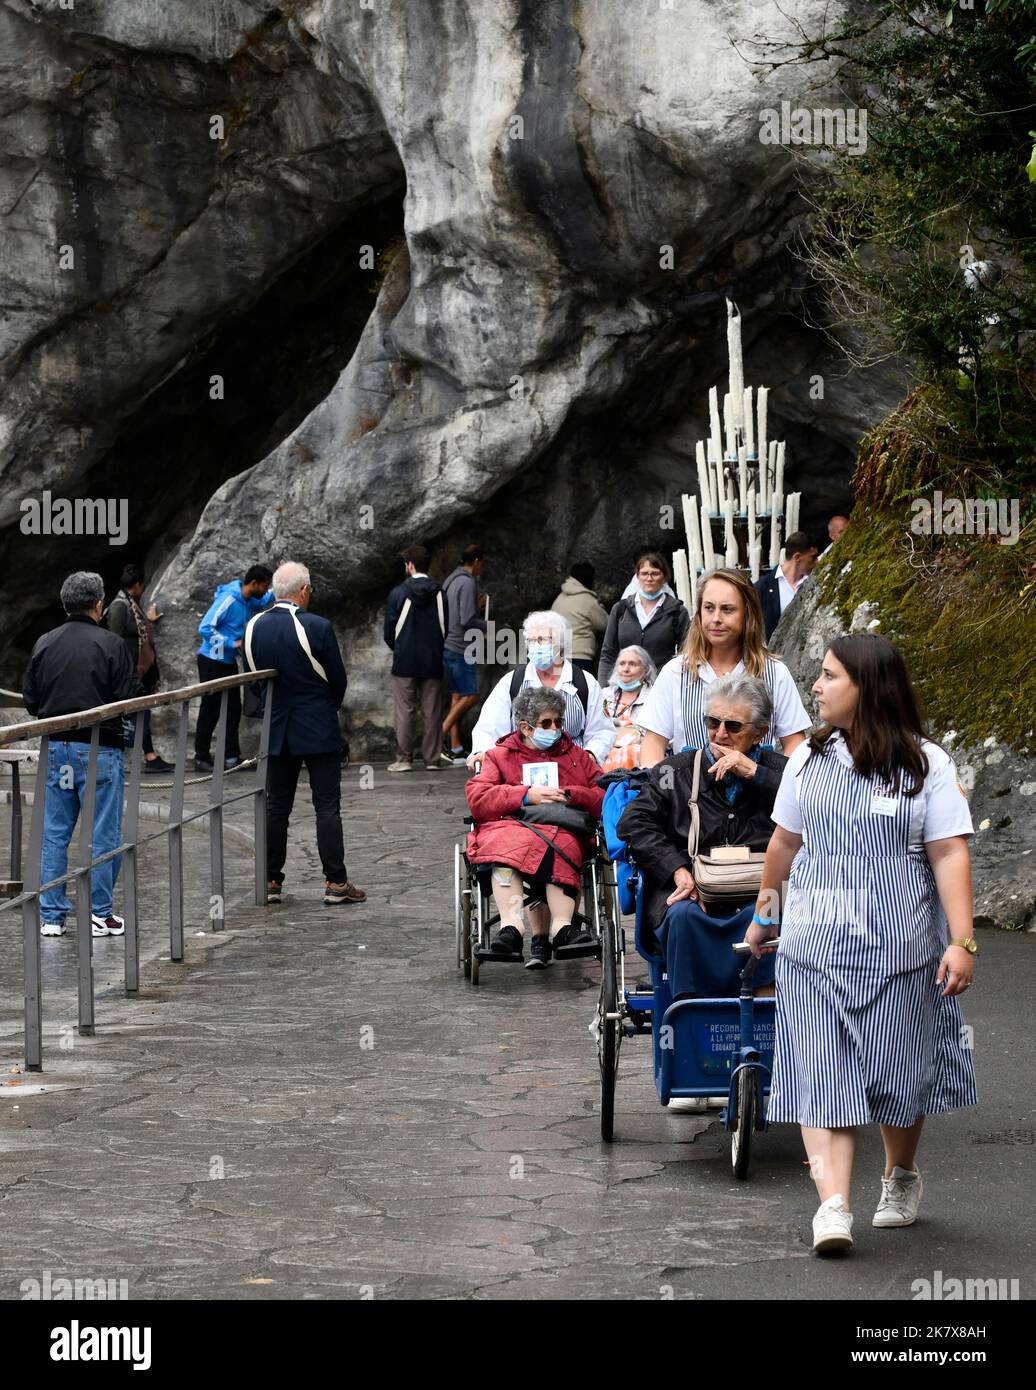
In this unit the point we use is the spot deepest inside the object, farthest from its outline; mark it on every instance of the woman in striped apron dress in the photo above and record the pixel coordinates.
(872, 825)
(725, 638)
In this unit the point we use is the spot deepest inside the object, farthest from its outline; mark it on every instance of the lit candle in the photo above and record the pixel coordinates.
(709, 555)
(749, 423)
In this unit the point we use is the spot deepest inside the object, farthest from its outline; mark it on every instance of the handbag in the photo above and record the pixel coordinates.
(723, 879)
(568, 818)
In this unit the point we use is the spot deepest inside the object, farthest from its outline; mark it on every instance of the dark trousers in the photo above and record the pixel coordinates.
(586, 663)
(325, 784)
(208, 715)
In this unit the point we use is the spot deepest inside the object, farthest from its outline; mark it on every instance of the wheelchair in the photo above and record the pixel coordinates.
(702, 1047)
(476, 917)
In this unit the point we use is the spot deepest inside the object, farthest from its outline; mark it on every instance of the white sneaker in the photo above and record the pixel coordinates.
(400, 766)
(108, 926)
(52, 929)
(832, 1226)
(689, 1105)
(900, 1198)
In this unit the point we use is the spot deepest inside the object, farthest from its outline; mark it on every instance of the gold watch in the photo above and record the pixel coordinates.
(968, 942)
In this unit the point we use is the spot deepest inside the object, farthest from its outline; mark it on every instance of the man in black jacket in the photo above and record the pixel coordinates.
(79, 666)
(777, 587)
(415, 630)
(307, 694)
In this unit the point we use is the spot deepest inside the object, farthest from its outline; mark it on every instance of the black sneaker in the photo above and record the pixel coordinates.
(202, 765)
(157, 765)
(507, 942)
(540, 952)
(573, 935)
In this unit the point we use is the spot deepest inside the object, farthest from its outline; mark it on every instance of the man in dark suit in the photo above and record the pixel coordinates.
(777, 587)
(307, 695)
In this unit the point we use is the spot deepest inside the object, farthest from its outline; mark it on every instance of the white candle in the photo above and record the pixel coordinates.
(742, 479)
(718, 487)
(760, 400)
(756, 558)
(778, 482)
(751, 520)
(728, 427)
(690, 523)
(793, 514)
(709, 555)
(775, 541)
(729, 537)
(714, 431)
(749, 422)
(771, 473)
(703, 472)
(737, 371)
(683, 579)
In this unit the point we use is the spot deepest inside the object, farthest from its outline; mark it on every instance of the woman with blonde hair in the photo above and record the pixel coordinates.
(725, 639)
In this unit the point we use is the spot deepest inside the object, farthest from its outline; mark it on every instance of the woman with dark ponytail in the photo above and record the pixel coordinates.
(876, 936)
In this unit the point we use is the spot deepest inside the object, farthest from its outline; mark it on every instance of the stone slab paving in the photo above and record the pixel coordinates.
(317, 1105)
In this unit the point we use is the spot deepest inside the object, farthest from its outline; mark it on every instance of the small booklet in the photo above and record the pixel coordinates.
(540, 775)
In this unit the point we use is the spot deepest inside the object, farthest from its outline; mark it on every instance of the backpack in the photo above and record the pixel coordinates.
(620, 789)
(578, 680)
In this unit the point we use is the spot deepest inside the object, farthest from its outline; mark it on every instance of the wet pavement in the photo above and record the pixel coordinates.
(316, 1104)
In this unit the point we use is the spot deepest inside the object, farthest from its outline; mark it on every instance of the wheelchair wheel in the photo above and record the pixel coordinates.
(744, 1123)
(609, 1029)
(458, 898)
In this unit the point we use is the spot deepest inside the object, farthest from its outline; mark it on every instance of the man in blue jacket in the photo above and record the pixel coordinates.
(221, 632)
(415, 630)
(307, 694)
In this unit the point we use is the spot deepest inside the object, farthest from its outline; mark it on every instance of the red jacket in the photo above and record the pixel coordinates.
(497, 791)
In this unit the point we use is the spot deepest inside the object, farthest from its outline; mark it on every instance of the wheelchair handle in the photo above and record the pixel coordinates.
(742, 948)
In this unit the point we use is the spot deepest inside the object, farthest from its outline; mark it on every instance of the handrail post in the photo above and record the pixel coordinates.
(176, 841)
(16, 822)
(84, 891)
(217, 901)
(129, 881)
(31, 918)
(260, 796)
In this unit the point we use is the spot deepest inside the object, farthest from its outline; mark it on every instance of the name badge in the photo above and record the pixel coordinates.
(884, 805)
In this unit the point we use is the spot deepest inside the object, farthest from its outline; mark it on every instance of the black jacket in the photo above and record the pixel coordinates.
(660, 639)
(417, 650)
(79, 666)
(766, 586)
(656, 824)
(305, 705)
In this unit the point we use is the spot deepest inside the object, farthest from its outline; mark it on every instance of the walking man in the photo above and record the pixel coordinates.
(777, 587)
(466, 609)
(79, 666)
(415, 630)
(221, 630)
(307, 695)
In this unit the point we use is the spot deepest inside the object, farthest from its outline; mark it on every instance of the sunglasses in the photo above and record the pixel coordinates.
(548, 723)
(733, 726)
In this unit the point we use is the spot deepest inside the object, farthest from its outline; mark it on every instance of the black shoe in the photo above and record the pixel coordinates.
(540, 952)
(572, 935)
(273, 892)
(203, 765)
(157, 765)
(507, 942)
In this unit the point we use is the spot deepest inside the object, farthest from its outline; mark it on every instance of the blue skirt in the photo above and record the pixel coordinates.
(699, 951)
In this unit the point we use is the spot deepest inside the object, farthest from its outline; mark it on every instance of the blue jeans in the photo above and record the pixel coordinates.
(66, 788)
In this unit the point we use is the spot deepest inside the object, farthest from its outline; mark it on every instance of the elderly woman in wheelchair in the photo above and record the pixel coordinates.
(708, 810)
(535, 804)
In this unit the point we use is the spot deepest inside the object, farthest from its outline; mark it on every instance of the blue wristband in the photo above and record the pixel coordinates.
(764, 921)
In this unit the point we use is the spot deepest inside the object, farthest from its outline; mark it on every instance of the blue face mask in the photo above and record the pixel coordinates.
(644, 594)
(545, 738)
(629, 685)
(541, 654)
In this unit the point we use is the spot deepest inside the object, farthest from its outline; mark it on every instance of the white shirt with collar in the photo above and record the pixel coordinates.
(785, 588)
(494, 721)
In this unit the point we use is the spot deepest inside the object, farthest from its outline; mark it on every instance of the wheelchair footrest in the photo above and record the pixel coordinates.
(484, 953)
(592, 948)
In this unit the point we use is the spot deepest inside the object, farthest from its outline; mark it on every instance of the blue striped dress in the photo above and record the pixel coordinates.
(863, 1033)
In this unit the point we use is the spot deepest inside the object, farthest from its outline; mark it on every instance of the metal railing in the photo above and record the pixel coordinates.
(27, 894)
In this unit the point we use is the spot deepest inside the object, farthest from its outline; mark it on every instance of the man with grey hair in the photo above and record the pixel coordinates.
(79, 666)
(307, 695)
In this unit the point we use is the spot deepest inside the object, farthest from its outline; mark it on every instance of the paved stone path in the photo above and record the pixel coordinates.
(317, 1105)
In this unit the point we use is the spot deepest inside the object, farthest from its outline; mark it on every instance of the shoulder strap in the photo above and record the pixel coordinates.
(300, 633)
(442, 613)
(517, 676)
(694, 834)
(403, 614)
(582, 689)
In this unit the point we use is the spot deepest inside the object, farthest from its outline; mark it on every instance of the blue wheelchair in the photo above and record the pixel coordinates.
(702, 1047)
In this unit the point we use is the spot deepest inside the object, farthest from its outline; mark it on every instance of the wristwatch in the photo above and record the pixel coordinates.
(968, 942)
